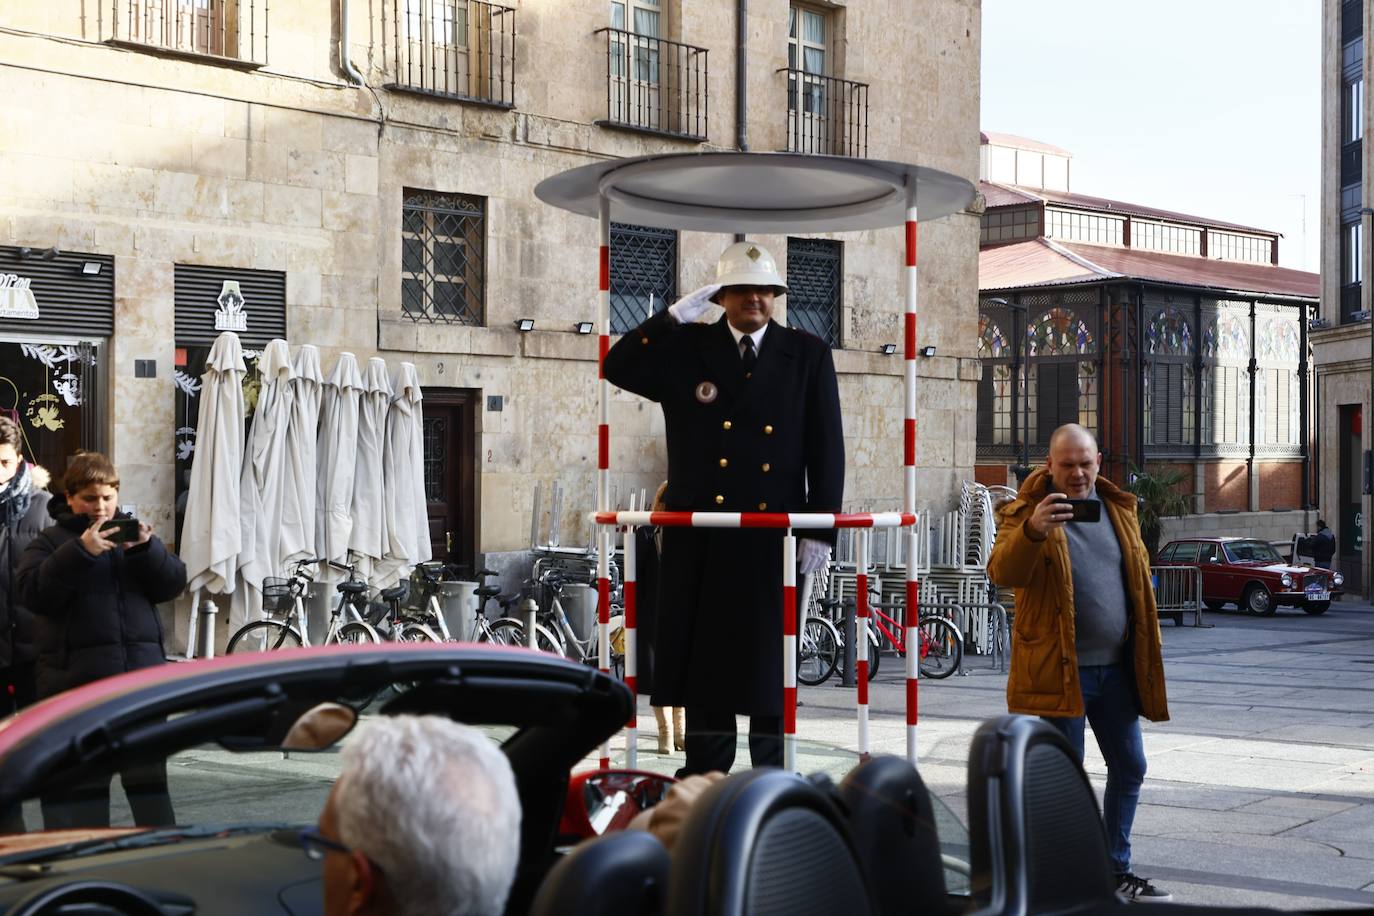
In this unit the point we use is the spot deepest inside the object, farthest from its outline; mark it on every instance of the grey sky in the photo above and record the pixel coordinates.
(1209, 107)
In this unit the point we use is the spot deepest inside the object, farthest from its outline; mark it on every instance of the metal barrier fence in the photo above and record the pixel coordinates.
(1178, 591)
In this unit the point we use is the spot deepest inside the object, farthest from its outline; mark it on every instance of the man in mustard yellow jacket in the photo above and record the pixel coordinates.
(1086, 642)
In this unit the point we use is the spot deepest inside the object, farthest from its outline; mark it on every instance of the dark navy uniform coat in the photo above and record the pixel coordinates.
(772, 442)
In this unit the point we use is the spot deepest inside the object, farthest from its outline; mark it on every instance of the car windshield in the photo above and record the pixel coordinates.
(208, 784)
(1252, 552)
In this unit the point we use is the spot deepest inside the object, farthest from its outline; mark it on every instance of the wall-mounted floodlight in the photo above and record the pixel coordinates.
(91, 268)
(927, 352)
(889, 349)
(583, 327)
(524, 324)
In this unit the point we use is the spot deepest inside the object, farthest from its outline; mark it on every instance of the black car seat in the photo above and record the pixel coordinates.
(892, 824)
(766, 842)
(620, 874)
(1037, 838)
(1039, 846)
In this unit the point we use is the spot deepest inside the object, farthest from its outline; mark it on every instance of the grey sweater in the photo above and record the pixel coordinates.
(1101, 608)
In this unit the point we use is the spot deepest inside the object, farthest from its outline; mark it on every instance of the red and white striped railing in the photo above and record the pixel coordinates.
(786, 521)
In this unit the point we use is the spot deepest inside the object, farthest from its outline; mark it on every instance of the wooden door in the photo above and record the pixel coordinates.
(450, 433)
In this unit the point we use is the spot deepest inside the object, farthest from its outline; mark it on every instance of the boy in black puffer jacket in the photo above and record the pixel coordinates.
(93, 601)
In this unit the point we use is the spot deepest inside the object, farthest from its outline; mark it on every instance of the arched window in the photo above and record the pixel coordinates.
(1058, 332)
(1063, 385)
(1169, 378)
(991, 341)
(1277, 355)
(1226, 374)
(994, 421)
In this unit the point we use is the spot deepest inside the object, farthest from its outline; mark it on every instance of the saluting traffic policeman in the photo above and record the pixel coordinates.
(752, 411)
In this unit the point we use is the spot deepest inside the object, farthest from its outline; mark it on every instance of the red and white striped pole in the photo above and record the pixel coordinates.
(603, 454)
(909, 478)
(630, 623)
(789, 652)
(861, 637)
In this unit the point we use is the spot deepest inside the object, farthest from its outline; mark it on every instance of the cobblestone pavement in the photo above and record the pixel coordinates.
(1260, 789)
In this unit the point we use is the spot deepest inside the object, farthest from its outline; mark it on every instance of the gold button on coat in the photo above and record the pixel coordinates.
(644, 340)
(768, 430)
(725, 425)
(763, 506)
(766, 467)
(719, 500)
(725, 462)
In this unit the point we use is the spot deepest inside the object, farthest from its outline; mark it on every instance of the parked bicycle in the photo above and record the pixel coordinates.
(941, 649)
(286, 598)
(555, 633)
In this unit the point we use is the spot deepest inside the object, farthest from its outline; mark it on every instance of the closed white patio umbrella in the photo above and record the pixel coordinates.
(368, 540)
(336, 457)
(210, 536)
(261, 485)
(403, 479)
(298, 483)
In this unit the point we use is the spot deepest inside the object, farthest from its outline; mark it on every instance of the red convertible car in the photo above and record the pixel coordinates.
(1252, 575)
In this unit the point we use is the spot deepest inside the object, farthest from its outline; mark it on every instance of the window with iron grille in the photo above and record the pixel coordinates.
(233, 30)
(443, 257)
(815, 269)
(643, 273)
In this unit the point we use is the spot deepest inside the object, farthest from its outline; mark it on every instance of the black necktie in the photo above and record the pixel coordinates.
(750, 355)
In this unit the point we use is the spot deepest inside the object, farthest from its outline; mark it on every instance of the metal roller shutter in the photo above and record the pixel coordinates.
(197, 293)
(69, 302)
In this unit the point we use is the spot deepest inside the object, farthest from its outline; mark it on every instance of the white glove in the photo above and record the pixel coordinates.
(692, 306)
(812, 555)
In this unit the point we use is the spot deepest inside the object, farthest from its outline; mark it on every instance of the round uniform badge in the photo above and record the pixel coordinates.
(706, 392)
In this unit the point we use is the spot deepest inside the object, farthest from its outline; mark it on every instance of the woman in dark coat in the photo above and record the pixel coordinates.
(23, 514)
(94, 603)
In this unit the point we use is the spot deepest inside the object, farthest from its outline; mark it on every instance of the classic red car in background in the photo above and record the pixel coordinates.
(1252, 575)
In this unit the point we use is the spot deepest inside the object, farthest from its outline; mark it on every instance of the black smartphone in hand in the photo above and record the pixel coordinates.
(120, 530)
(1084, 510)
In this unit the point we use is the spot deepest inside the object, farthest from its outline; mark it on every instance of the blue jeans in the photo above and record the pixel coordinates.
(1111, 711)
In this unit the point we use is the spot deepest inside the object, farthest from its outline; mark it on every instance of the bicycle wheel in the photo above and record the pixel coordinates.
(414, 631)
(942, 648)
(357, 634)
(875, 654)
(820, 651)
(263, 636)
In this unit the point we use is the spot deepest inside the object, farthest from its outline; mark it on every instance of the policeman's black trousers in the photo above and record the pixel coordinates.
(711, 738)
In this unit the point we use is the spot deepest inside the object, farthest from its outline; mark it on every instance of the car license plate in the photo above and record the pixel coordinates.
(1315, 592)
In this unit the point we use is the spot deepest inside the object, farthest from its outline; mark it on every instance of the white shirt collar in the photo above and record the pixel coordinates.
(740, 335)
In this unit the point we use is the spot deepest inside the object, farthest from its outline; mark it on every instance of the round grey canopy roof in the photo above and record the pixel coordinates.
(756, 192)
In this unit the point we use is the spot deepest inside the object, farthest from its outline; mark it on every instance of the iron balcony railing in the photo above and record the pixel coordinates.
(655, 85)
(235, 30)
(459, 49)
(826, 115)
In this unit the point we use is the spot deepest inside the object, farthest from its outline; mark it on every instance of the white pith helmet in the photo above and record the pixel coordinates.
(748, 264)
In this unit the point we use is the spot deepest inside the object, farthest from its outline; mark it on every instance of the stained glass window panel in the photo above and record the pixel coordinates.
(1059, 332)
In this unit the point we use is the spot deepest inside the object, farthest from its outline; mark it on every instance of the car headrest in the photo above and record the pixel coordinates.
(1037, 836)
(766, 842)
(621, 873)
(892, 825)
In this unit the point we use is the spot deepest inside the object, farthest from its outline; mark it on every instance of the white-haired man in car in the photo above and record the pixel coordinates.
(423, 819)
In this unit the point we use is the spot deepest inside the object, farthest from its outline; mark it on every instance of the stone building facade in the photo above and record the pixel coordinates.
(180, 144)
(1340, 334)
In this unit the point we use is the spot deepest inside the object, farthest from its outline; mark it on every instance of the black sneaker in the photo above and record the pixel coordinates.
(1135, 889)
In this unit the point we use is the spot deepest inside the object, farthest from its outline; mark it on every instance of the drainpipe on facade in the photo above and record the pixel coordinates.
(741, 78)
(345, 65)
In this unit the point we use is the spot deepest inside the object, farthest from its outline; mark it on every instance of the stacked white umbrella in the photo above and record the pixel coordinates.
(368, 540)
(298, 485)
(210, 535)
(403, 480)
(261, 487)
(336, 459)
